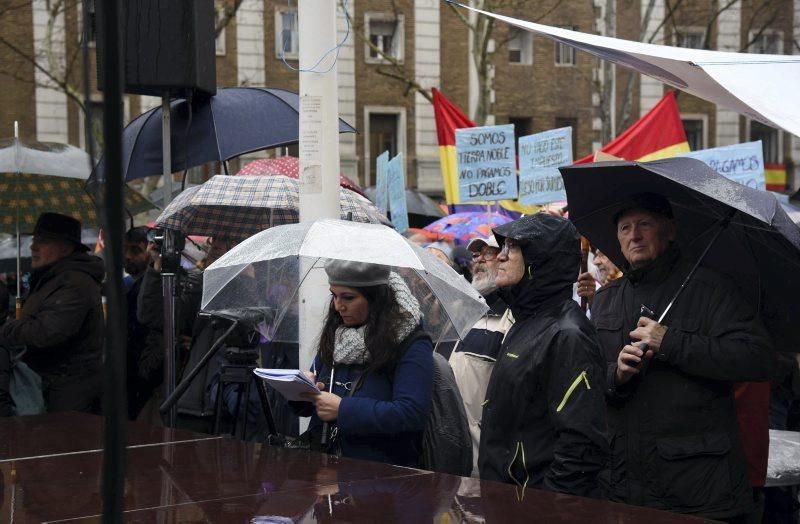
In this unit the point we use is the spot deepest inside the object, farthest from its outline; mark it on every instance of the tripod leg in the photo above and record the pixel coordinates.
(246, 407)
(266, 406)
(218, 403)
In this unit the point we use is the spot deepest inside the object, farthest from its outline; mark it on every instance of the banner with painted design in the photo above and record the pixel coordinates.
(486, 163)
(742, 163)
(540, 156)
(396, 183)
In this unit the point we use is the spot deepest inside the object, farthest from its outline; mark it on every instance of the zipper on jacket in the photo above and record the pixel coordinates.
(575, 383)
(520, 450)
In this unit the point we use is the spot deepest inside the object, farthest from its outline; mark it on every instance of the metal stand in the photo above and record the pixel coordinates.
(243, 377)
(170, 292)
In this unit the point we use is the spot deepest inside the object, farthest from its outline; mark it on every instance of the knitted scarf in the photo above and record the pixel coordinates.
(350, 346)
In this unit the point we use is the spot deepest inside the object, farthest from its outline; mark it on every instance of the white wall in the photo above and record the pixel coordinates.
(51, 104)
(428, 75)
(729, 26)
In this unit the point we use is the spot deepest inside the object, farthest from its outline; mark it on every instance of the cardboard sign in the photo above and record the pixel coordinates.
(486, 163)
(540, 156)
(381, 183)
(397, 193)
(742, 163)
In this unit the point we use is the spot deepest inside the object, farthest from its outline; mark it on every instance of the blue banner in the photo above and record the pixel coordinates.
(381, 185)
(396, 183)
(742, 163)
(486, 163)
(540, 156)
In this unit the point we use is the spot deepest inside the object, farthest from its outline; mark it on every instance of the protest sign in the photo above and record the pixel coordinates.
(486, 163)
(540, 156)
(381, 186)
(397, 193)
(742, 163)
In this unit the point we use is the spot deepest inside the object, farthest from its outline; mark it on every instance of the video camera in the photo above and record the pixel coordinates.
(241, 345)
(170, 243)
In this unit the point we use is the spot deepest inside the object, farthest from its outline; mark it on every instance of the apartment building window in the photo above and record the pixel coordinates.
(219, 42)
(565, 55)
(287, 41)
(385, 37)
(770, 140)
(562, 121)
(384, 135)
(691, 38)
(522, 125)
(520, 47)
(769, 42)
(695, 129)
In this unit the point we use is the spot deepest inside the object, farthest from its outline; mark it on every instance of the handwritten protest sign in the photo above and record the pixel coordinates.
(540, 156)
(381, 186)
(486, 163)
(742, 163)
(397, 193)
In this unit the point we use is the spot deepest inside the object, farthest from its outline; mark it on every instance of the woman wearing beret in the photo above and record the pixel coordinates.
(374, 368)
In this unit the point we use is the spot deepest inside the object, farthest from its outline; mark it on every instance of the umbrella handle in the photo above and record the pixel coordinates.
(18, 311)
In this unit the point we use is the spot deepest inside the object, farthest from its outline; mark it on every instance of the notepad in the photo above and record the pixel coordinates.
(290, 383)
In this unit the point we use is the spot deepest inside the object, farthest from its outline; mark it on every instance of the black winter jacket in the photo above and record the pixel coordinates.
(62, 321)
(673, 430)
(544, 417)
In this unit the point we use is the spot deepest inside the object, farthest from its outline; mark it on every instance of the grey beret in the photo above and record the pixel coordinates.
(356, 274)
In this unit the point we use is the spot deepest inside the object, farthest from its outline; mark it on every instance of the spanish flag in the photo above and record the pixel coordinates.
(658, 134)
(449, 118)
(775, 176)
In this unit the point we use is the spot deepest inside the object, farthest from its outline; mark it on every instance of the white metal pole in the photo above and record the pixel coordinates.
(18, 300)
(319, 151)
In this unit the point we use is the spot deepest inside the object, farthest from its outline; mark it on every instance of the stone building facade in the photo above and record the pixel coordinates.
(538, 84)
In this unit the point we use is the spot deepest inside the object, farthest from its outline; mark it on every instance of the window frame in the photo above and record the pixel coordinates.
(702, 117)
(526, 49)
(764, 33)
(572, 51)
(280, 10)
(686, 30)
(399, 39)
(402, 129)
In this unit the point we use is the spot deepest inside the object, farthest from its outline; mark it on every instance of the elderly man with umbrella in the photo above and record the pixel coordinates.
(678, 335)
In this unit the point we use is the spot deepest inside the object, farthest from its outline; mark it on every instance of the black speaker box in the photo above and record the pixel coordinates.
(168, 47)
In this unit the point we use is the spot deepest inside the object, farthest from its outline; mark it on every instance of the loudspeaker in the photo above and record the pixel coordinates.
(168, 47)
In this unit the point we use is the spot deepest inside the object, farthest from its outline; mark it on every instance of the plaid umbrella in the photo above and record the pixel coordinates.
(240, 206)
(36, 177)
(288, 166)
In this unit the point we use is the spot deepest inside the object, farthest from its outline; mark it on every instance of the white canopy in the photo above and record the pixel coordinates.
(762, 87)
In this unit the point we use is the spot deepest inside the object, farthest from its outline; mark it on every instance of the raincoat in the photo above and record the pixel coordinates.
(544, 417)
(674, 433)
(62, 326)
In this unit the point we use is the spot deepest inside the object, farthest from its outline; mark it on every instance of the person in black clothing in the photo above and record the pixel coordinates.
(673, 428)
(145, 356)
(544, 417)
(62, 322)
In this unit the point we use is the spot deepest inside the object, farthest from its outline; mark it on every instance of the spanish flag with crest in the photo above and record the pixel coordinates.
(658, 134)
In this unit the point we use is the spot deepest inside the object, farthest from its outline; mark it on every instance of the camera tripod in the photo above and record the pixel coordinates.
(240, 372)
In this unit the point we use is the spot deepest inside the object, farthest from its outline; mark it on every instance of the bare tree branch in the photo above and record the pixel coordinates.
(228, 13)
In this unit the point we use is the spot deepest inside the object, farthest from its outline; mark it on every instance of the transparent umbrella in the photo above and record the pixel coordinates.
(258, 280)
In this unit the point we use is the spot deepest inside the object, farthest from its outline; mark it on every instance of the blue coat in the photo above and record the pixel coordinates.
(385, 418)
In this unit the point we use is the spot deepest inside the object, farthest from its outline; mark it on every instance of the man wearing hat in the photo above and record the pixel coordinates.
(473, 358)
(673, 429)
(62, 318)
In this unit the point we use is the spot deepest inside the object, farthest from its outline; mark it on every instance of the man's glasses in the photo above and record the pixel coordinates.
(508, 245)
(487, 253)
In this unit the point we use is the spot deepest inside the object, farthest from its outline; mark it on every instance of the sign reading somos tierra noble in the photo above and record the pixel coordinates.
(540, 156)
(486, 163)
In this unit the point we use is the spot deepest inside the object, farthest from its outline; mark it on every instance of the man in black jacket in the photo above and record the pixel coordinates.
(544, 417)
(62, 319)
(672, 419)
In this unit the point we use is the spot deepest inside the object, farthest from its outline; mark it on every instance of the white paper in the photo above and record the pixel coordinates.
(290, 383)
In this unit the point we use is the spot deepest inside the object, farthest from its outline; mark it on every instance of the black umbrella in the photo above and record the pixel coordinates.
(736, 230)
(422, 209)
(235, 121)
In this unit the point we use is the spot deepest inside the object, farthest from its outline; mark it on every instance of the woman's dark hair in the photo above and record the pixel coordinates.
(383, 321)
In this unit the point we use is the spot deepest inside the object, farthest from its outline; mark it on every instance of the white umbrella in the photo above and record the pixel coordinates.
(733, 80)
(258, 280)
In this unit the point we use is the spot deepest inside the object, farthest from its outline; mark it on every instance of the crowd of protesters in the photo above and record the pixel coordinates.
(604, 402)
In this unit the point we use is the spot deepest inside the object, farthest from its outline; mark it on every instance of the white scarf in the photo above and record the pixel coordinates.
(350, 346)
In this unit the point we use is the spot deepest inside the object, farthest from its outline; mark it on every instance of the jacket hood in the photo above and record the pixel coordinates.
(78, 261)
(551, 250)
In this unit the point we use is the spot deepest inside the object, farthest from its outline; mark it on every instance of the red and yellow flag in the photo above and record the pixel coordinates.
(775, 176)
(449, 118)
(658, 134)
